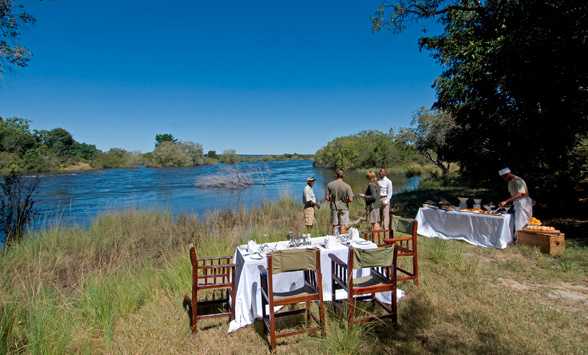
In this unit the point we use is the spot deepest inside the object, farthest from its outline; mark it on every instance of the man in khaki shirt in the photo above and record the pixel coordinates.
(309, 202)
(339, 194)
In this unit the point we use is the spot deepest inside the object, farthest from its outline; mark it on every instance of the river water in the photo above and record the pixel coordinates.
(79, 197)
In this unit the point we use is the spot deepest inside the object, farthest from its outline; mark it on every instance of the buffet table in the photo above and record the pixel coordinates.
(247, 279)
(477, 229)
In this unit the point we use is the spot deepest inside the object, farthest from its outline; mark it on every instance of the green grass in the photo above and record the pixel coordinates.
(119, 287)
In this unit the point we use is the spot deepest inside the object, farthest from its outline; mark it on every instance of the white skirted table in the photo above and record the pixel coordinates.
(247, 279)
(477, 229)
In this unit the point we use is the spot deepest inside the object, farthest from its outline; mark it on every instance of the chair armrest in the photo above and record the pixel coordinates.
(216, 258)
(217, 266)
(398, 239)
(337, 260)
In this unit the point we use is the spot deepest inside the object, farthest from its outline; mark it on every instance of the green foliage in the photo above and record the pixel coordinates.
(166, 137)
(59, 142)
(230, 157)
(16, 207)
(212, 154)
(84, 151)
(429, 136)
(114, 158)
(367, 149)
(172, 154)
(514, 80)
(12, 19)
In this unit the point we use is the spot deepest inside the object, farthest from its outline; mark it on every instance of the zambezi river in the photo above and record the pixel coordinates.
(79, 197)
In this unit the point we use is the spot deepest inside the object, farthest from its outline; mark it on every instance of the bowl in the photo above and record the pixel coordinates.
(533, 224)
(477, 201)
(463, 199)
(489, 207)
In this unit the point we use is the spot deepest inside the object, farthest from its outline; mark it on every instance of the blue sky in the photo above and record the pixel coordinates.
(260, 77)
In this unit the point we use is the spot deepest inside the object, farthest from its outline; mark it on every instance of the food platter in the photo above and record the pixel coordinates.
(491, 213)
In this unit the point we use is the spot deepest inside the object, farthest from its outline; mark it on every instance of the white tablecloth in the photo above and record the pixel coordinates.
(477, 229)
(247, 281)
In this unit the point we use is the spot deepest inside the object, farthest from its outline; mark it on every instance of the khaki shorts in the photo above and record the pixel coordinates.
(373, 216)
(309, 216)
(340, 217)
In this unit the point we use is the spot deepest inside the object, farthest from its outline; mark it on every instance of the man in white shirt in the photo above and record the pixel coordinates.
(519, 196)
(309, 202)
(386, 191)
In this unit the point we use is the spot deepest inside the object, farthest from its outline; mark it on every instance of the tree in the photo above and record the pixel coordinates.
(514, 80)
(166, 137)
(230, 157)
(59, 141)
(12, 18)
(15, 136)
(429, 136)
(366, 149)
(171, 154)
(16, 206)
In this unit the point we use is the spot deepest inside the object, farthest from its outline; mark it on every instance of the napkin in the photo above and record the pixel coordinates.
(252, 247)
(354, 235)
(282, 246)
(331, 242)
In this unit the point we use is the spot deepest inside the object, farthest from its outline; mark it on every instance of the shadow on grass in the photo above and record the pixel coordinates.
(286, 323)
(204, 310)
(418, 331)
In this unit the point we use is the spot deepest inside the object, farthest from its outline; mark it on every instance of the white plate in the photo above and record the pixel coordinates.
(257, 257)
(363, 242)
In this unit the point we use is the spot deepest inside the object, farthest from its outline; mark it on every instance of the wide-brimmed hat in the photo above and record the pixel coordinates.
(310, 179)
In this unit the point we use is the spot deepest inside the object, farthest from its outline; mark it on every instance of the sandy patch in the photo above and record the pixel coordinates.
(569, 297)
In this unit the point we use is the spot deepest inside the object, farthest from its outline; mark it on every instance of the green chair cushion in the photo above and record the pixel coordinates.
(363, 258)
(293, 260)
(402, 225)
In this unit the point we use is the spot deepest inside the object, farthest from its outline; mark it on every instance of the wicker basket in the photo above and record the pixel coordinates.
(548, 243)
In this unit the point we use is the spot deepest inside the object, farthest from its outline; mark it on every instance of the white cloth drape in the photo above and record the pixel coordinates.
(477, 229)
(523, 210)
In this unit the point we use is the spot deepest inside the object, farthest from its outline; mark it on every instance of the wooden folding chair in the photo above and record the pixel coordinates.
(210, 274)
(382, 278)
(407, 246)
(281, 261)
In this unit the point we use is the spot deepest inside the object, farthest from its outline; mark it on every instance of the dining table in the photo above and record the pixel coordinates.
(248, 304)
(488, 230)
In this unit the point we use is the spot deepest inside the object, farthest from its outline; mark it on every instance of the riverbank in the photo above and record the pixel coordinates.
(119, 286)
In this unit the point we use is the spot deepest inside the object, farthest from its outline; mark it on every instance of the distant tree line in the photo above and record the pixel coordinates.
(23, 150)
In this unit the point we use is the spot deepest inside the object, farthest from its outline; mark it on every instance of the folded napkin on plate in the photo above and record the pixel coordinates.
(331, 242)
(252, 246)
(354, 235)
(282, 246)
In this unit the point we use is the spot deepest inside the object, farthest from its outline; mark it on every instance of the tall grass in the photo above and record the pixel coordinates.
(119, 286)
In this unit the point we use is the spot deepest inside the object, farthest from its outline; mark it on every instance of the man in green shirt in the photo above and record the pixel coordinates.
(339, 194)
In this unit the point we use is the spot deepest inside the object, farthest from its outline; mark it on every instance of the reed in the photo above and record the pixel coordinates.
(119, 287)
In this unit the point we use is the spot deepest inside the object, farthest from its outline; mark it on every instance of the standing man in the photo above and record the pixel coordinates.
(386, 191)
(309, 202)
(519, 196)
(339, 194)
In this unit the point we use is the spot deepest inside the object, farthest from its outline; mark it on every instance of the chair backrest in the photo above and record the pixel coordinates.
(364, 258)
(293, 260)
(402, 225)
